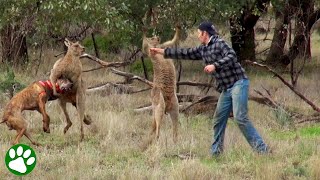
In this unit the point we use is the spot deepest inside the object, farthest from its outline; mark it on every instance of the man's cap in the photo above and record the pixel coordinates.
(208, 27)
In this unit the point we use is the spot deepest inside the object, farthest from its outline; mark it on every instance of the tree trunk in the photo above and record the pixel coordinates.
(279, 38)
(242, 40)
(242, 30)
(14, 45)
(301, 43)
(96, 50)
(307, 16)
(145, 71)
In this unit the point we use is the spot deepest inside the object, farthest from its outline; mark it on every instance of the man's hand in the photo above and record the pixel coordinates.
(154, 51)
(209, 69)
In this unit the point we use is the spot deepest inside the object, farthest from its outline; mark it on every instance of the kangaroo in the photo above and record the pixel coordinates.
(163, 93)
(70, 67)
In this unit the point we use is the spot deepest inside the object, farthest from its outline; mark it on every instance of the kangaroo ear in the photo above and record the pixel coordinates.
(67, 42)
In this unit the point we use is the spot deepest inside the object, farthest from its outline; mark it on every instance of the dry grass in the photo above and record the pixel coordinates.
(111, 146)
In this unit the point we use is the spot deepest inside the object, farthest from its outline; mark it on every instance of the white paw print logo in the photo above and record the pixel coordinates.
(20, 159)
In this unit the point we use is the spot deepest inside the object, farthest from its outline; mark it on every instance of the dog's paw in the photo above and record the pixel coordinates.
(21, 160)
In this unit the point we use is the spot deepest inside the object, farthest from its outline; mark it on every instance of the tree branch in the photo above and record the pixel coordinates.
(131, 76)
(314, 107)
(103, 63)
(190, 83)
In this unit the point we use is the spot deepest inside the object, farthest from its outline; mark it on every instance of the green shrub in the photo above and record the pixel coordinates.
(113, 42)
(8, 81)
(283, 118)
(137, 67)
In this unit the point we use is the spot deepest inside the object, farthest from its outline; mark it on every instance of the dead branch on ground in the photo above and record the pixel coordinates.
(109, 88)
(208, 101)
(298, 118)
(308, 119)
(314, 107)
(196, 104)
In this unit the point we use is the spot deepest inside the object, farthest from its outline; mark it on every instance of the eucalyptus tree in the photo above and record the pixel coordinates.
(163, 16)
(14, 27)
(302, 14)
(44, 19)
(242, 16)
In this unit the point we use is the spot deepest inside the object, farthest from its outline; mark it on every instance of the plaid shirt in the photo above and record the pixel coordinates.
(217, 52)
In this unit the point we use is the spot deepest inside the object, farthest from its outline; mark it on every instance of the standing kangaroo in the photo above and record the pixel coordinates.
(70, 67)
(163, 93)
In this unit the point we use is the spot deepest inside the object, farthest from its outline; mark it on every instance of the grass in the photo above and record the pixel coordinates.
(111, 149)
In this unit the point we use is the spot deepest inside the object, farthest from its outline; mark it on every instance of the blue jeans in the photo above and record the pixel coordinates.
(235, 99)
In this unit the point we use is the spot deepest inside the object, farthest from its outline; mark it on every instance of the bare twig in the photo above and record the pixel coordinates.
(267, 100)
(131, 76)
(263, 51)
(190, 83)
(60, 54)
(119, 87)
(188, 97)
(149, 108)
(93, 69)
(268, 92)
(207, 89)
(206, 100)
(96, 50)
(141, 90)
(311, 119)
(144, 68)
(103, 63)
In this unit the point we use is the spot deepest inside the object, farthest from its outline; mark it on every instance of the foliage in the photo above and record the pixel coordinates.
(137, 66)
(9, 80)
(58, 18)
(122, 17)
(120, 20)
(79, 13)
(282, 117)
(105, 43)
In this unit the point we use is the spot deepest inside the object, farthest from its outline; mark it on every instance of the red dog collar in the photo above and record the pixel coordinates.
(48, 85)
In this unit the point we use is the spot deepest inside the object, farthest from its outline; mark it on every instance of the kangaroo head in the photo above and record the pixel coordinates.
(75, 49)
(149, 43)
(153, 41)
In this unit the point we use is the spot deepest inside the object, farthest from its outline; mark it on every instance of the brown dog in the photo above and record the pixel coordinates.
(33, 97)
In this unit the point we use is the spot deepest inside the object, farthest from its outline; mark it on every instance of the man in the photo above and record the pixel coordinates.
(221, 61)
